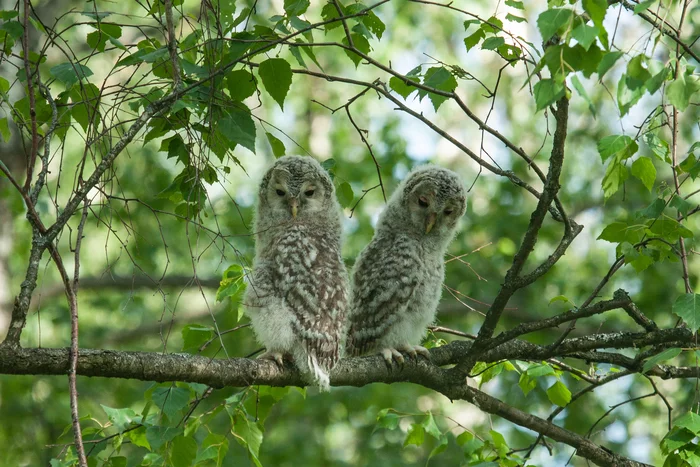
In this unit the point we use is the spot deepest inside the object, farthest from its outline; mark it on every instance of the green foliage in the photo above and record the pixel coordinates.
(179, 202)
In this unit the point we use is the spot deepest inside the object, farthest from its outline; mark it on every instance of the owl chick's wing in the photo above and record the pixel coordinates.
(385, 278)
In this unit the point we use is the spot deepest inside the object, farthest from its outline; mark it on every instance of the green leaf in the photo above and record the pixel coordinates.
(374, 24)
(138, 437)
(499, 442)
(680, 91)
(416, 435)
(655, 209)
(194, 336)
(296, 7)
(328, 164)
(360, 43)
(540, 369)
(559, 298)
(643, 6)
(691, 165)
(183, 451)
(582, 92)
(463, 438)
(238, 127)
(641, 262)
(13, 28)
(86, 100)
(157, 436)
(401, 88)
(328, 13)
(637, 74)
(550, 21)
(276, 75)
(386, 418)
(654, 83)
(492, 25)
(658, 146)
(232, 284)
(214, 447)
(439, 78)
(622, 232)
(669, 229)
(515, 19)
(493, 43)
(240, 84)
(120, 418)
(681, 204)
(547, 92)
(345, 194)
(607, 62)
(687, 307)
(676, 439)
(596, 10)
(619, 146)
(473, 39)
(171, 400)
(431, 427)
(527, 383)
(5, 133)
(515, 4)
(667, 354)
(70, 73)
(250, 434)
(278, 148)
(689, 421)
(643, 168)
(559, 394)
(585, 35)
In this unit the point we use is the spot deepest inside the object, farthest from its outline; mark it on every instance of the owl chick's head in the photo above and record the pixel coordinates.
(296, 188)
(430, 202)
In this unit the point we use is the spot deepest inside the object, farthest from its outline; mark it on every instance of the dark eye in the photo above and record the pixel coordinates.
(448, 211)
(423, 202)
(309, 192)
(280, 192)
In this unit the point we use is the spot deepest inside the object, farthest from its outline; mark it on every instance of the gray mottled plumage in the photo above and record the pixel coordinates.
(297, 293)
(397, 279)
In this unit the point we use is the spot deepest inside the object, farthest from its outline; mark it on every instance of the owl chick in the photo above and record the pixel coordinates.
(397, 279)
(297, 292)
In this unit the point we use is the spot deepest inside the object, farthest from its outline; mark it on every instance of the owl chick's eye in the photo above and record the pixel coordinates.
(309, 192)
(280, 192)
(448, 211)
(423, 202)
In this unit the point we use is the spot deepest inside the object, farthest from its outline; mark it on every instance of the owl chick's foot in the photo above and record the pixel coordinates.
(277, 357)
(414, 350)
(390, 354)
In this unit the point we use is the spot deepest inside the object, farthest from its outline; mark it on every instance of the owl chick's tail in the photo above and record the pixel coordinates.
(319, 375)
(316, 364)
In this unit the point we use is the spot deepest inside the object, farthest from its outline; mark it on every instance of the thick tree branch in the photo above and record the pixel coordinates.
(360, 371)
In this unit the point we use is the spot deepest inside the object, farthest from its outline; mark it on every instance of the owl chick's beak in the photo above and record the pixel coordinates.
(431, 222)
(294, 204)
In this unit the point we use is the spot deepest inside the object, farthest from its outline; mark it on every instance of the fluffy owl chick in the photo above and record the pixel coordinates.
(297, 292)
(397, 279)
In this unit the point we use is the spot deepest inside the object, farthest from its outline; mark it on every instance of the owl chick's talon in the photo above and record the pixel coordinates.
(415, 350)
(277, 357)
(390, 355)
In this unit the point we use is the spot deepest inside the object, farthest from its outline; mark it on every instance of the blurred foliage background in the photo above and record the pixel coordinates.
(139, 291)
